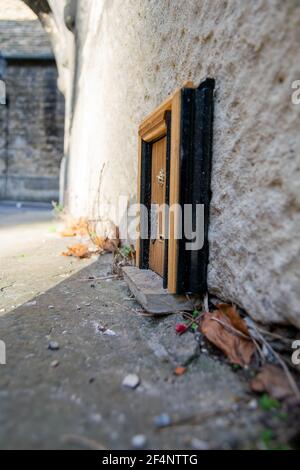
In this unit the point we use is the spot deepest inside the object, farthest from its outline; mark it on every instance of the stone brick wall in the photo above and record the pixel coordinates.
(20, 30)
(23, 37)
(32, 126)
(32, 122)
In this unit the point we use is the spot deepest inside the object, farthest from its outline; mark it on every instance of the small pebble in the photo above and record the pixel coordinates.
(51, 307)
(162, 420)
(197, 444)
(53, 346)
(29, 356)
(110, 333)
(131, 381)
(139, 441)
(95, 418)
(54, 364)
(253, 404)
(30, 304)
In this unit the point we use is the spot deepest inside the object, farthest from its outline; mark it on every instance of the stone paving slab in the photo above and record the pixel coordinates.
(147, 287)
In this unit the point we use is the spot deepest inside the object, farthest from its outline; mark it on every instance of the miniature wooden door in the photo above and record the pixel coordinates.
(175, 154)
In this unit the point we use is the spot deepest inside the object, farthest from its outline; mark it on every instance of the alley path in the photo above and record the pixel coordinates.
(72, 396)
(30, 248)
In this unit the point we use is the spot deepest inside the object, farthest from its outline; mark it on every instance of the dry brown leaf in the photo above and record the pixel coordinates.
(68, 233)
(75, 227)
(180, 371)
(78, 251)
(80, 226)
(219, 328)
(237, 322)
(272, 379)
(106, 244)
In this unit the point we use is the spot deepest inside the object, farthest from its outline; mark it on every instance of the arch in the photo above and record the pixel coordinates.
(53, 19)
(39, 7)
(58, 19)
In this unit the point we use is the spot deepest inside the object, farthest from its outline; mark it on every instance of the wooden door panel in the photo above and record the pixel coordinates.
(158, 195)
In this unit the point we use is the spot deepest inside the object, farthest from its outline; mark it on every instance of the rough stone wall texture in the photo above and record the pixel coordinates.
(131, 55)
(32, 123)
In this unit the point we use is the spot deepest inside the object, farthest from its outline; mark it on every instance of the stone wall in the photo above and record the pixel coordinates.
(32, 126)
(129, 56)
(32, 123)
(20, 30)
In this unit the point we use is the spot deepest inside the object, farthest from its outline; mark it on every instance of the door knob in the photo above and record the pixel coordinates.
(161, 177)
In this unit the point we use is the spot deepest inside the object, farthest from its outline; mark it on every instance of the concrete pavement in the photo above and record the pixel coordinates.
(71, 395)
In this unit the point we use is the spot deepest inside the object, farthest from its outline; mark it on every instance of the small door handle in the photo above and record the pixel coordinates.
(161, 177)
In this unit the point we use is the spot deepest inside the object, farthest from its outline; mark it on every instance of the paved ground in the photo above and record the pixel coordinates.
(73, 397)
(30, 247)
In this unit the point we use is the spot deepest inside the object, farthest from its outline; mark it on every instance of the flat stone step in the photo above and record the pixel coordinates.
(147, 288)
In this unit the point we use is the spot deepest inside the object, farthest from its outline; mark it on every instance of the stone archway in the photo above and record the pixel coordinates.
(39, 6)
(53, 23)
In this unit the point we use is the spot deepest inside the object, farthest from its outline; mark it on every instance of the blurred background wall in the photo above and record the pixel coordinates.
(32, 122)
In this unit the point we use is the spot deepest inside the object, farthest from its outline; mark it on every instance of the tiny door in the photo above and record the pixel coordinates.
(158, 196)
(176, 171)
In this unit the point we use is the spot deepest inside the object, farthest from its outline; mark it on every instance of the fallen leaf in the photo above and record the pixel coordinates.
(106, 244)
(272, 379)
(78, 251)
(181, 328)
(237, 322)
(68, 233)
(180, 371)
(75, 227)
(227, 330)
(80, 226)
